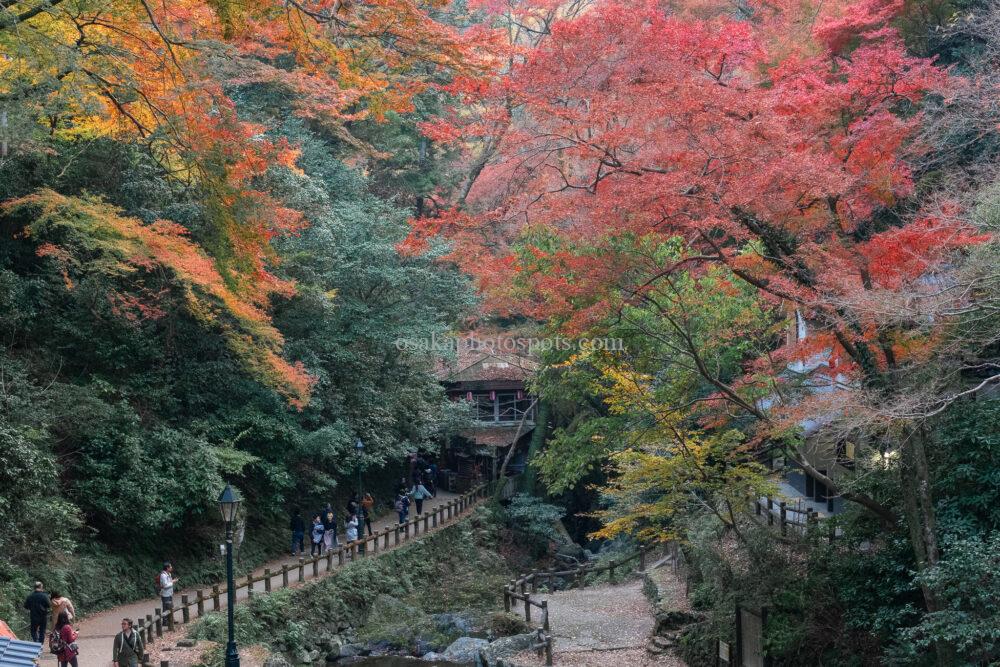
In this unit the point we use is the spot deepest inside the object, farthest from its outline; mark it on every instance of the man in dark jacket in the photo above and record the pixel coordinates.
(38, 606)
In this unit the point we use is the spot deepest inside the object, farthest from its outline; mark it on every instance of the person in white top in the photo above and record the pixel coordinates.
(167, 581)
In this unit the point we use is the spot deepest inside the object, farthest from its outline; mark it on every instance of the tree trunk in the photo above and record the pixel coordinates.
(918, 506)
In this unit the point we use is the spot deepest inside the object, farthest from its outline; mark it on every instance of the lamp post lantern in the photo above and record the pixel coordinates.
(359, 448)
(229, 504)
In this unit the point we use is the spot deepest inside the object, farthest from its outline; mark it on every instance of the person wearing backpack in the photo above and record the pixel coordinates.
(62, 642)
(128, 647)
(38, 606)
(420, 494)
(165, 584)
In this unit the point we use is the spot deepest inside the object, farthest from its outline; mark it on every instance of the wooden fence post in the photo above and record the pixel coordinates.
(284, 575)
(506, 598)
(406, 530)
(416, 525)
(267, 580)
(527, 608)
(315, 563)
(545, 615)
(185, 610)
(611, 571)
(215, 597)
(249, 586)
(375, 543)
(770, 514)
(385, 545)
(149, 628)
(329, 559)
(340, 556)
(159, 623)
(170, 619)
(302, 568)
(427, 519)
(434, 517)
(782, 507)
(201, 603)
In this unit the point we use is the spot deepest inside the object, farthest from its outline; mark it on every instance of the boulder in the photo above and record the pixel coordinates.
(453, 624)
(304, 657)
(674, 619)
(277, 660)
(349, 651)
(433, 655)
(465, 649)
(508, 646)
(187, 643)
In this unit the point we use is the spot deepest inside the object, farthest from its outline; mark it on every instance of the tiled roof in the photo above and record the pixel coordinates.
(480, 358)
(17, 653)
(496, 436)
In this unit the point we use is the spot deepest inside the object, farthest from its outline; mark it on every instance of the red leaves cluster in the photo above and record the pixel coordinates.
(764, 143)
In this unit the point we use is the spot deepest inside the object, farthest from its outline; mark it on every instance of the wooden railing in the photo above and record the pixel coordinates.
(157, 622)
(786, 518)
(524, 587)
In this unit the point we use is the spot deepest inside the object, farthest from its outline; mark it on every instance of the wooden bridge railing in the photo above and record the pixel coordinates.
(524, 587)
(788, 519)
(160, 621)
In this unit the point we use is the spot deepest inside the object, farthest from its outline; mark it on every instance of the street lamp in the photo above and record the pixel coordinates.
(229, 503)
(359, 448)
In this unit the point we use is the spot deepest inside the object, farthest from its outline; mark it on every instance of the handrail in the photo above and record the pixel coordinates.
(441, 515)
(511, 595)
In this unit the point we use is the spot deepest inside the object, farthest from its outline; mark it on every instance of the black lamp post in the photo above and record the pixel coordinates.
(359, 448)
(229, 503)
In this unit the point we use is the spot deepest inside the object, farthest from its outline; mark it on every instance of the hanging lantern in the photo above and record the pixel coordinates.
(493, 396)
(520, 395)
(468, 396)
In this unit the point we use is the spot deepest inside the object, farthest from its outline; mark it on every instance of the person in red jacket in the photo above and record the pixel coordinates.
(67, 640)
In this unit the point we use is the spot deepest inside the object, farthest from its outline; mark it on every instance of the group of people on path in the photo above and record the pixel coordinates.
(422, 485)
(127, 648)
(323, 529)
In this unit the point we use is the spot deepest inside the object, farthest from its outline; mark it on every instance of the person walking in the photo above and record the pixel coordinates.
(402, 505)
(420, 494)
(367, 507)
(167, 581)
(38, 605)
(127, 649)
(316, 544)
(62, 641)
(61, 604)
(298, 527)
(352, 528)
(329, 528)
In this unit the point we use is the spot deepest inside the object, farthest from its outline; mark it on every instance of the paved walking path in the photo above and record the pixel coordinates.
(97, 631)
(601, 626)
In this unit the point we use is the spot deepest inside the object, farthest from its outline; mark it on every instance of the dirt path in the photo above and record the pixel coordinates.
(601, 626)
(98, 630)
